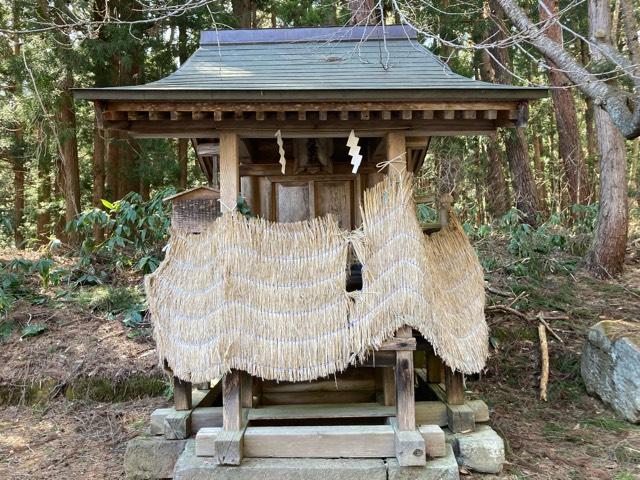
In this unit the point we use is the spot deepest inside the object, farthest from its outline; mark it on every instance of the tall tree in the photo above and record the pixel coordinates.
(524, 186)
(606, 256)
(575, 168)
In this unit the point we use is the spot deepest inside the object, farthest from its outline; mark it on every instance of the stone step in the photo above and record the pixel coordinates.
(191, 467)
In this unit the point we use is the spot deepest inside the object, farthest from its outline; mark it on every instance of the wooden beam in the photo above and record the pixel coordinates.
(182, 394)
(364, 115)
(386, 115)
(322, 115)
(396, 153)
(405, 394)
(260, 116)
(344, 115)
(409, 446)
(398, 344)
(229, 171)
(427, 114)
(407, 115)
(281, 116)
(447, 114)
(435, 368)
(217, 116)
(302, 115)
(335, 441)
(212, 106)
(321, 411)
(469, 114)
(490, 114)
(388, 386)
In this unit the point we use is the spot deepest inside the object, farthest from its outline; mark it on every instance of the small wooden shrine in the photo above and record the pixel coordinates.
(305, 123)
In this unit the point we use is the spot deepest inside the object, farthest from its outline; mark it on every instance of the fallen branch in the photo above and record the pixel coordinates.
(540, 317)
(544, 360)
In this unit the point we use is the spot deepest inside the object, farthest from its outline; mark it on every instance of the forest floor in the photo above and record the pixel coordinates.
(73, 395)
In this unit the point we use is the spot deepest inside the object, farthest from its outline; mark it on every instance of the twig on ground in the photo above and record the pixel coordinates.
(540, 317)
(548, 327)
(498, 292)
(544, 357)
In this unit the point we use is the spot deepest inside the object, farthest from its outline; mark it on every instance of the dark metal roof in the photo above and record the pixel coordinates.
(332, 63)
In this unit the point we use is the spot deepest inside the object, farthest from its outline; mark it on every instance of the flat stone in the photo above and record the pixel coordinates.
(149, 458)
(481, 451)
(610, 366)
(443, 468)
(192, 467)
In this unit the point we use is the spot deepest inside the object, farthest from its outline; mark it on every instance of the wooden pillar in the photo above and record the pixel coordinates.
(396, 151)
(454, 387)
(409, 443)
(229, 443)
(181, 394)
(231, 401)
(405, 394)
(229, 171)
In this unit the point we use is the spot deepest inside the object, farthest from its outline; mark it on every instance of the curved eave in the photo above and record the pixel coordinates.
(185, 95)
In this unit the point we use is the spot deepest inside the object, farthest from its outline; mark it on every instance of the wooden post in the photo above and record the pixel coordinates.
(405, 395)
(181, 394)
(396, 151)
(454, 387)
(246, 390)
(409, 444)
(229, 171)
(434, 368)
(231, 401)
(445, 206)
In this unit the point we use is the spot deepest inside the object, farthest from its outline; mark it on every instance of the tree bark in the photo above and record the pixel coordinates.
(43, 219)
(112, 167)
(69, 153)
(575, 168)
(622, 106)
(99, 151)
(606, 256)
(362, 12)
(244, 11)
(183, 144)
(524, 186)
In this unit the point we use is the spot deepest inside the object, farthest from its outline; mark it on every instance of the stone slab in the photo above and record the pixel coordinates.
(192, 467)
(481, 451)
(443, 468)
(149, 458)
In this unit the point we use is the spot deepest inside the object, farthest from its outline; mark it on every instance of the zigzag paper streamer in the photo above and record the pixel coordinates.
(283, 161)
(354, 151)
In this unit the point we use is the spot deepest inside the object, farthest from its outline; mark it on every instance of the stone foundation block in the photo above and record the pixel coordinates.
(481, 451)
(443, 468)
(149, 458)
(191, 467)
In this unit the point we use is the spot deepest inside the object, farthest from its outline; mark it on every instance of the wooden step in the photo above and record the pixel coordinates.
(321, 411)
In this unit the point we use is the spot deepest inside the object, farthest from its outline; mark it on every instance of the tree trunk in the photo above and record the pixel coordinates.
(244, 11)
(362, 12)
(498, 200)
(69, 153)
(18, 202)
(183, 144)
(99, 151)
(575, 168)
(539, 173)
(524, 187)
(112, 170)
(606, 256)
(43, 219)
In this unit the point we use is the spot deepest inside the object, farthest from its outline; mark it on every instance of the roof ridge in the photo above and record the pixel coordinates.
(307, 34)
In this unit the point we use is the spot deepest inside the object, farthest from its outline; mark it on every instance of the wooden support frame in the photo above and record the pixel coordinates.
(182, 392)
(454, 387)
(396, 152)
(229, 170)
(229, 443)
(405, 392)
